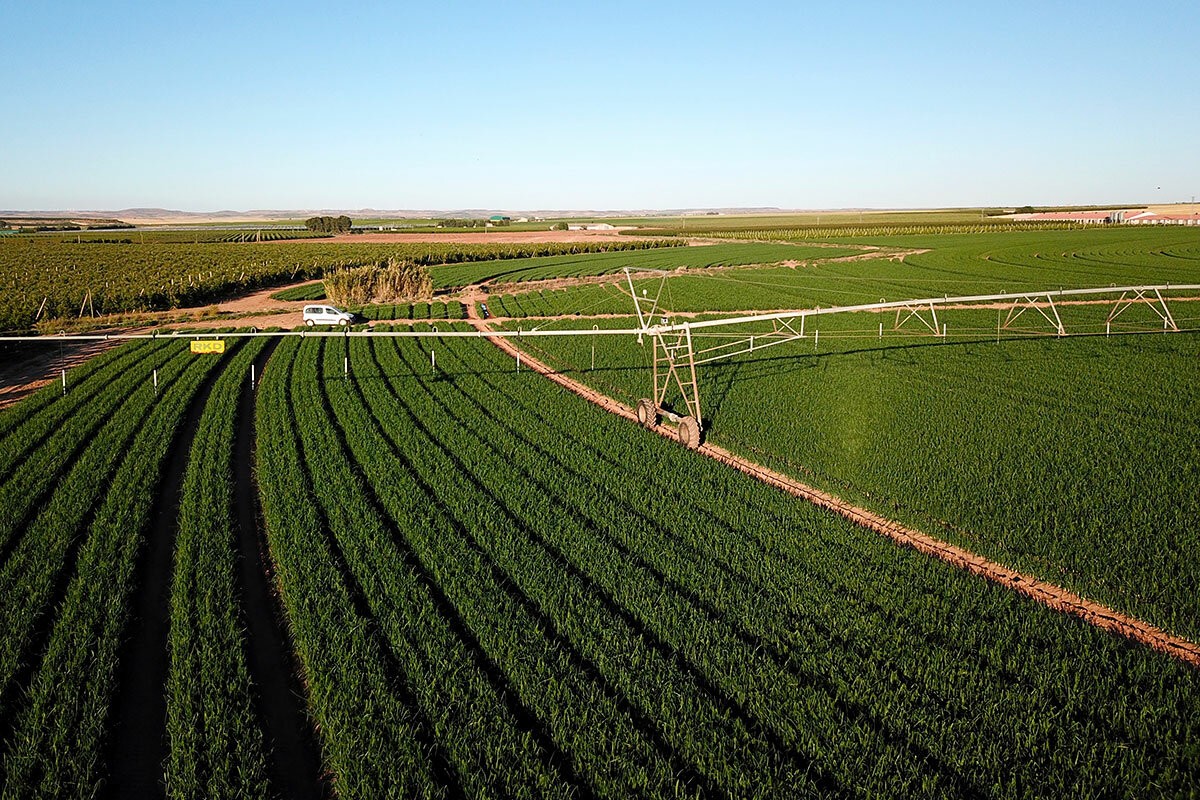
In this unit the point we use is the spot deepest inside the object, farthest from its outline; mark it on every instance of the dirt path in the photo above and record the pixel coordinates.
(1048, 594)
(295, 758)
(38, 365)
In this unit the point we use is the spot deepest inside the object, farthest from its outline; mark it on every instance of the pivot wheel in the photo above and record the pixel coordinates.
(647, 414)
(689, 433)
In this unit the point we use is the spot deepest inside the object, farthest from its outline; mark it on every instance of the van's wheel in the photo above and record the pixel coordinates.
(689, 433)
(647, 414)
(309, 323)
(342, 322)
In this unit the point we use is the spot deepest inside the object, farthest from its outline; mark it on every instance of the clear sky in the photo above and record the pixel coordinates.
(616, 105)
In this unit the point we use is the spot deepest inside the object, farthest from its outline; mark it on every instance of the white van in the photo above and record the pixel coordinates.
(326, 315)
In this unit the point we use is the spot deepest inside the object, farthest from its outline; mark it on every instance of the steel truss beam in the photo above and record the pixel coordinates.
(1130, 297)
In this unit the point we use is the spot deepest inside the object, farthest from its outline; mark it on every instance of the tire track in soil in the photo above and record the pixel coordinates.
(280, 697)
(1048, 594)
(137, 751)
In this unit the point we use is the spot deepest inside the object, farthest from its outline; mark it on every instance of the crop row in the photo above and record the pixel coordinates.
(584, 300)
(216, 744)
(305, 291)
(25, 425)
(371, 739)
(69, 581)
(451, 309)
(1071, 459)
(40, 452)
(48, 500)
(679, 629)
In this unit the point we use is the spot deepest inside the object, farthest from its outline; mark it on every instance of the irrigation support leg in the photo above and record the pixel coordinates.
(597, 329)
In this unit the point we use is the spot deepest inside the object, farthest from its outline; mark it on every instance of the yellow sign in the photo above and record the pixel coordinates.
(208, 346)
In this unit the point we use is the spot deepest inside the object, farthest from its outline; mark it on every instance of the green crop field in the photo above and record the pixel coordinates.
(586, 264)
(423, 311)
(478, 607)
(363, 567)
(960, 264)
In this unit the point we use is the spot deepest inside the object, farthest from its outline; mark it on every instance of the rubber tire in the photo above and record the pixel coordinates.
(310, 323)
(689, 433)
(647, 414)
(343, 323)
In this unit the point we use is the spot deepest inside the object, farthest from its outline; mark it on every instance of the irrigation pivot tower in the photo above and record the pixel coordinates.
(675, 357)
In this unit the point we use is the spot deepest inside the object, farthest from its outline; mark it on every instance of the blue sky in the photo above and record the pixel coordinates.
(531, 105)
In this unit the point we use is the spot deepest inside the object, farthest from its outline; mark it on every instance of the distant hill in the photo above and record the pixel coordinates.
(46, 220)
(162, 216)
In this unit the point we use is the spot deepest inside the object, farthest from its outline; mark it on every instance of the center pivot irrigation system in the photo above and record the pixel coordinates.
(675, 355)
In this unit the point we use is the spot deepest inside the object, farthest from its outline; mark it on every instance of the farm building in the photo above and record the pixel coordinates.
(1151, 218)
(1084, 217)
(1125, 217)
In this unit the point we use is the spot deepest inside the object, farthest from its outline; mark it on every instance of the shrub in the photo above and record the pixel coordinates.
(391, 282)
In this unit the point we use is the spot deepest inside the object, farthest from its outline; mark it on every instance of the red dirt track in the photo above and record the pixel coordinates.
(1048, 594)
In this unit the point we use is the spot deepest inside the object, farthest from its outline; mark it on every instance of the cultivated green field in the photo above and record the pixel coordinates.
(584, 264)
(1075, 460)
(403, 568)
(479, 607)
(954, 264)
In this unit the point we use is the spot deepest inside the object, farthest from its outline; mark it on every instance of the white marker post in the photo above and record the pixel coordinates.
(156, 383)
(252, 376)
(64, 381)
